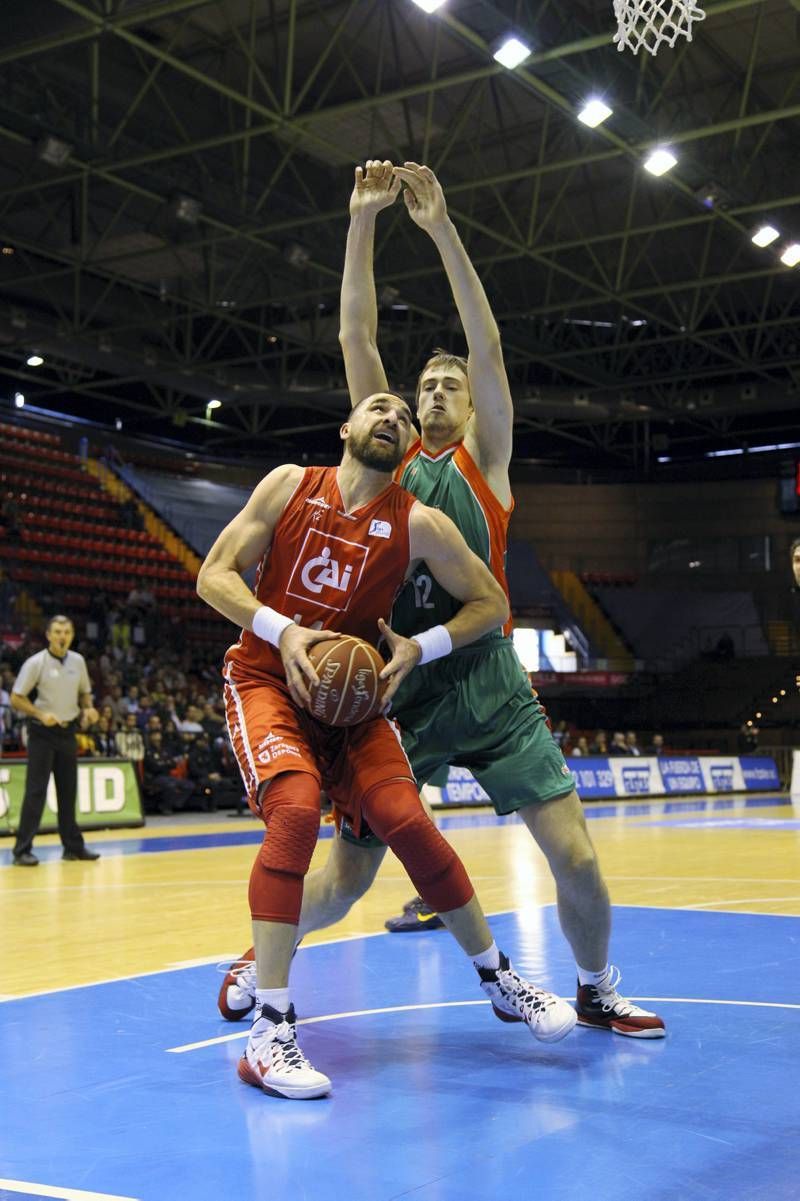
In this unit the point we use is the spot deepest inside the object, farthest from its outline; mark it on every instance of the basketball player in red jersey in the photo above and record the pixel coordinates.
(334, 546)
(461, 465)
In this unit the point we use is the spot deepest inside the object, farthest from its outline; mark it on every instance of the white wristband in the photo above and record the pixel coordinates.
(434, 643)
(269, 624)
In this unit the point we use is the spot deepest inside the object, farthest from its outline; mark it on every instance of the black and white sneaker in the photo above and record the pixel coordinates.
(273, 1062)
(514, 999)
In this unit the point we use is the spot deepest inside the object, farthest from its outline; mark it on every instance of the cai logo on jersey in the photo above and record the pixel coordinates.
(327, 570)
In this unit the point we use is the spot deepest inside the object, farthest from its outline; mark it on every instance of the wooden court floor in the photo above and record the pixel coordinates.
(137, 911)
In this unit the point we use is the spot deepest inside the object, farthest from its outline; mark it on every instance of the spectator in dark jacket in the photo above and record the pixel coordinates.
(163, 792)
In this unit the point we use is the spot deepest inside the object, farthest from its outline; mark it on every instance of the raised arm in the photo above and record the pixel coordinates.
(375, 188)
(492, 427)
(436, 540)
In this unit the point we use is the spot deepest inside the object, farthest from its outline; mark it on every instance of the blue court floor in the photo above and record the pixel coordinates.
(129, 1089)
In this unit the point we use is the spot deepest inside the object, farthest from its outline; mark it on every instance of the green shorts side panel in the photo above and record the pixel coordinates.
(483, 716)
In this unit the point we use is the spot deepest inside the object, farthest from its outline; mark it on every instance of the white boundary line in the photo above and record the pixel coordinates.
(358, 1013)
(64, 1194)
(325, 1017)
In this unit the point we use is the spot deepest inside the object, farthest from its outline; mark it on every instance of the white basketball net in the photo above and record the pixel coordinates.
(648, 23)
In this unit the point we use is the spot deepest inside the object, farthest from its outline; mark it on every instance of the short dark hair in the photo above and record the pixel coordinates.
(364, 399)
(442, 358)
(58, 617)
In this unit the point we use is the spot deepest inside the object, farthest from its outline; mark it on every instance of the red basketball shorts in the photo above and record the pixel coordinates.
(270, 734)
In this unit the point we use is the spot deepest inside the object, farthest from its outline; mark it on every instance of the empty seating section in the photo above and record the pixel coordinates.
(665, 626)
(71, 536)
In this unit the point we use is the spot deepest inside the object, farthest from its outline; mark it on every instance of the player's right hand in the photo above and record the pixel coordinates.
(293, 646)
(376, 187)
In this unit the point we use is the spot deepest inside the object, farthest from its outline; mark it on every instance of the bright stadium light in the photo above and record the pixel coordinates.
(660, 161)
(791, 255)
(765, 235)
(214, 404)
(511, 52)
(594, 113)
(19, 400)
(429, 6)
(34, 360)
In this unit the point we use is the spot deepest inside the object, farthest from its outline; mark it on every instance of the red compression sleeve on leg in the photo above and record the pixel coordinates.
(395, 813)
(290, 808)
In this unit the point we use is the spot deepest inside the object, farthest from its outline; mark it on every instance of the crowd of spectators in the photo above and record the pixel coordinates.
(620, 743)
(161, 709)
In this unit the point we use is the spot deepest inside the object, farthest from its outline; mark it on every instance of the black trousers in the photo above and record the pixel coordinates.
(51, 750)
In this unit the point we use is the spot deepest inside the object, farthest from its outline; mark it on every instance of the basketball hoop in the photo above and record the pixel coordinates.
(648, 23)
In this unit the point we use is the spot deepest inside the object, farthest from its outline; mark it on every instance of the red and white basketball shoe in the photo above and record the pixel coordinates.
(601, 1007)
(237, 994)
(273, 1061)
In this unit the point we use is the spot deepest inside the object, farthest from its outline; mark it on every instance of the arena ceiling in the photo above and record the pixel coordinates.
(174, 180)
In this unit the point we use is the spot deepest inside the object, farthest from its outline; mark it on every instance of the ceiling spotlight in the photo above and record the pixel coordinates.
(296, 254)
(660, 161)
(594, 113)
(53, 151)
(791, 255)
(214, 404)
(7, 250)
(117, 424)
(765, 235)
(187, 209)
(511, 52)
(226, 304)
(34, 360)
(19, 400)
(271, 338)
(429, 6)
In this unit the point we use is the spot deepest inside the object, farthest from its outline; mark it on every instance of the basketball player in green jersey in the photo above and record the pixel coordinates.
(476, 708)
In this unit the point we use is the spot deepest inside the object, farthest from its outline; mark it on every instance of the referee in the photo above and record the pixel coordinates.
(63, 689)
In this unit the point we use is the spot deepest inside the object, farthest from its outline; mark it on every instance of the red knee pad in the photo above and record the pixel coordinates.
(291, 812)
(395, 814)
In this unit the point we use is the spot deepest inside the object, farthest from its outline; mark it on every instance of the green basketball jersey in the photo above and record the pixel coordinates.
(450, 480)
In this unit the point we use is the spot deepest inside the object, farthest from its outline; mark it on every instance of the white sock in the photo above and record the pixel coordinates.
(595, 978)
(276, 998)
(488, 958)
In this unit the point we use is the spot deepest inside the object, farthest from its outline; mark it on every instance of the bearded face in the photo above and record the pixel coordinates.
(372, 448)
(379, 433)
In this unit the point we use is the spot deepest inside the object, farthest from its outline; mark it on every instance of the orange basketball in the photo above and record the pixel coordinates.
(349, 690)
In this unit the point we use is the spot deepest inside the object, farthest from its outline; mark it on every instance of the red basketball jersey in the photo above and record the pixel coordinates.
(328, 568)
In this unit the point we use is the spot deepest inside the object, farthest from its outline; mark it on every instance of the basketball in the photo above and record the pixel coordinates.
(349, 690)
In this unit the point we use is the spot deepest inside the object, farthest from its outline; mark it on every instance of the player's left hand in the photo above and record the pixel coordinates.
(89, 717)
(405, 656)
(423, 195)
